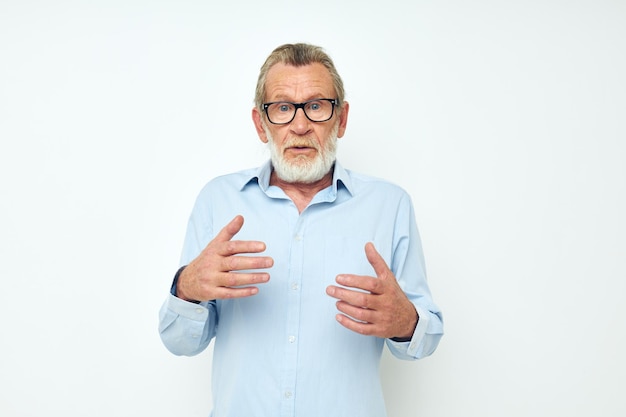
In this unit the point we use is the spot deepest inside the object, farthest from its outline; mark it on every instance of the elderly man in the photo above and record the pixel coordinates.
(326, 270)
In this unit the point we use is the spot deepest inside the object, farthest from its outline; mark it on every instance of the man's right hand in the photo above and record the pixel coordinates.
(213, 274)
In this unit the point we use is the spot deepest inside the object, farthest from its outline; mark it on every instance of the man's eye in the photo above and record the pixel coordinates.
(284, 108)
(315, 106)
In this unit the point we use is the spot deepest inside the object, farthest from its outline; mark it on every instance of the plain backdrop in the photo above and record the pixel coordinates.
(504, 120)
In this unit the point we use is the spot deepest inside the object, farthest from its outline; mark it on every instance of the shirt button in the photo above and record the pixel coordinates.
(298, 238)
(294, 286)
(292, 339)
(199, 310)
(288, 394)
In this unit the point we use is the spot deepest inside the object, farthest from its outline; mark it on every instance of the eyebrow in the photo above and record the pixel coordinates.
(281, 97)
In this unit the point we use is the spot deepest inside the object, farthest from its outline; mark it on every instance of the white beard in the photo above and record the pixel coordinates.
(303, 169)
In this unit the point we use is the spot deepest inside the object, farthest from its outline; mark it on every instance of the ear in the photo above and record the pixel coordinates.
(258, 125)
(343, 119)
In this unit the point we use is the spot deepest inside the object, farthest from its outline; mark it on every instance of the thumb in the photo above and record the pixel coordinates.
(230, 230)
(377, 261)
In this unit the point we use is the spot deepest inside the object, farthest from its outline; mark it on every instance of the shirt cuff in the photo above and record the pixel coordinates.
(418, 334)
(192, 311)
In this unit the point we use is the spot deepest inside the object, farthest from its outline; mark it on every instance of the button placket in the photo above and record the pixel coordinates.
(296, 257)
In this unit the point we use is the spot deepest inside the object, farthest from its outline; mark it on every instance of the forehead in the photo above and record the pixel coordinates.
(286, 82)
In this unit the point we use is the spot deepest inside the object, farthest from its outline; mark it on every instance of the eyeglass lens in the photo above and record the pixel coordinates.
(315, 110)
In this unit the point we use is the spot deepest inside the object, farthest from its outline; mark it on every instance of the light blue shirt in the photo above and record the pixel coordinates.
(281, 352)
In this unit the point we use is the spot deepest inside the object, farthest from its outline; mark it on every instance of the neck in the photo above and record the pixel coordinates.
(302, 193)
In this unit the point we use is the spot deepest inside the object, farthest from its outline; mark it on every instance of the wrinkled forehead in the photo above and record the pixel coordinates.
(291, 83)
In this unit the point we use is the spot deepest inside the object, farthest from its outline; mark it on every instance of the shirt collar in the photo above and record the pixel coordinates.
(341, 177)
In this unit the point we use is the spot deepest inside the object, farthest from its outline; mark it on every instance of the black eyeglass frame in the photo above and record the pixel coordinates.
(297, 106)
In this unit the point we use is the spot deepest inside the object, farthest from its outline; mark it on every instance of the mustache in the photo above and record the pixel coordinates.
(300, 142)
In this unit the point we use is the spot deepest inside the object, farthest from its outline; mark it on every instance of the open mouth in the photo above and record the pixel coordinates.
(300, 147)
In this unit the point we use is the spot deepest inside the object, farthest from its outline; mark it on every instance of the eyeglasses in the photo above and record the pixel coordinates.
(283, 112)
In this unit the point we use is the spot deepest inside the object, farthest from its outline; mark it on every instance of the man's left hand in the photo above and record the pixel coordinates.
(383, 310)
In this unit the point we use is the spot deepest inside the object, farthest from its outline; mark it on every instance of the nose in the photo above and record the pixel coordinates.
(300, 124)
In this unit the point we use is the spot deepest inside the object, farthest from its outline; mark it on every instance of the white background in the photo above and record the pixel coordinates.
(503, 120)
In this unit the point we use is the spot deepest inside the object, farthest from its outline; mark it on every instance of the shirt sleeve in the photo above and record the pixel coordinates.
(187, 328)
(409, 268)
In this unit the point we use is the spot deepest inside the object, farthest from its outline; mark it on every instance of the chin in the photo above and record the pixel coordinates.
(301, 171)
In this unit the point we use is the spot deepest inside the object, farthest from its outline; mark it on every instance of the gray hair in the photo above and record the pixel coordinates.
(298, 55)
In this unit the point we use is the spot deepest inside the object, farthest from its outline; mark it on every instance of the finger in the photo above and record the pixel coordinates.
(226, 246)
(364, 315)
(355, 298)
(239, 263)
(233, 279)
(234, 247)
(355, 326)
(360, 282)
(230, 230)
(377, 261)
(226, 292)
